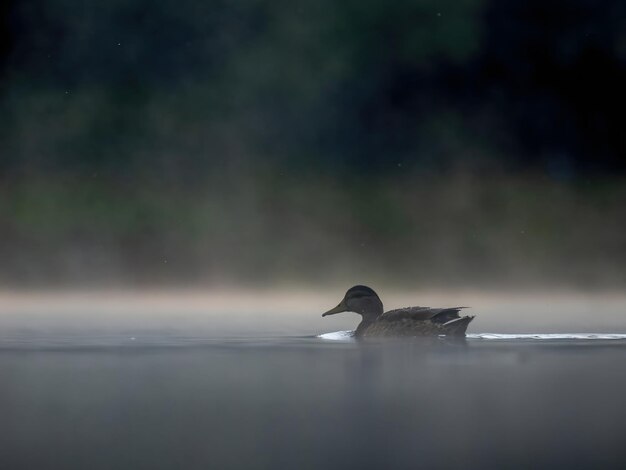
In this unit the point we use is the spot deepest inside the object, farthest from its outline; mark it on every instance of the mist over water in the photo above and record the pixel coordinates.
(241, 379)
(252, 312)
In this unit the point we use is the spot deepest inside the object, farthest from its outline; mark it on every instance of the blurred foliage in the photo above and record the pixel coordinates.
(462, 230)
(418, 141)
(354, 86)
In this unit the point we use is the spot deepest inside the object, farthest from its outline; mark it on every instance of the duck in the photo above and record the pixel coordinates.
(402, 322)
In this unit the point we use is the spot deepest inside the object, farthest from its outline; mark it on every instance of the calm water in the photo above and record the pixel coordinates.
(162, 401)
(133, 393)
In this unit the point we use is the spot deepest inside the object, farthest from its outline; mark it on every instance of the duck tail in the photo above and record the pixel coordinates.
(458, 326)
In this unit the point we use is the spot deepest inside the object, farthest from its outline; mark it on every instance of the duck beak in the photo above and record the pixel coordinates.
(338, 309)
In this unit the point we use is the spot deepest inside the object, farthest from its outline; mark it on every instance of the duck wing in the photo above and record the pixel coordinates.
(418, 321)
(435, 315)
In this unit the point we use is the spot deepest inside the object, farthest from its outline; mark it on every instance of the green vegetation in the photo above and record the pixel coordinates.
(406, 230)
(466, 142)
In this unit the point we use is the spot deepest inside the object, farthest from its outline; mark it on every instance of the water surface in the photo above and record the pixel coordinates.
(147, 395)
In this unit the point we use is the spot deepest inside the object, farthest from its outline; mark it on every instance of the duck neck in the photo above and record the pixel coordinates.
(367, 319)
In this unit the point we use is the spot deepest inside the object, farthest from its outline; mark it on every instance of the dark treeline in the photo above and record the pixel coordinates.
(134, 129)
(359, 84)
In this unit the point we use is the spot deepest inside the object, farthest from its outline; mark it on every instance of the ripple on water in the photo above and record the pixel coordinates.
(548, 336)
(348, 335)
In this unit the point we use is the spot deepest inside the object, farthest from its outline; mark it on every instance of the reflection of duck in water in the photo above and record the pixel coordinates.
(409, 321)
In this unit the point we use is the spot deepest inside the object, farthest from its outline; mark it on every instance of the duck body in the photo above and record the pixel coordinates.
(403, 322)
(416, 321)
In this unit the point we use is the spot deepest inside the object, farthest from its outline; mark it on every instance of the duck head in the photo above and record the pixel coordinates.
(361, 300)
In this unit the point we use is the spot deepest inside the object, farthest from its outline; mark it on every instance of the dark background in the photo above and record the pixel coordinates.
(437, 143)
